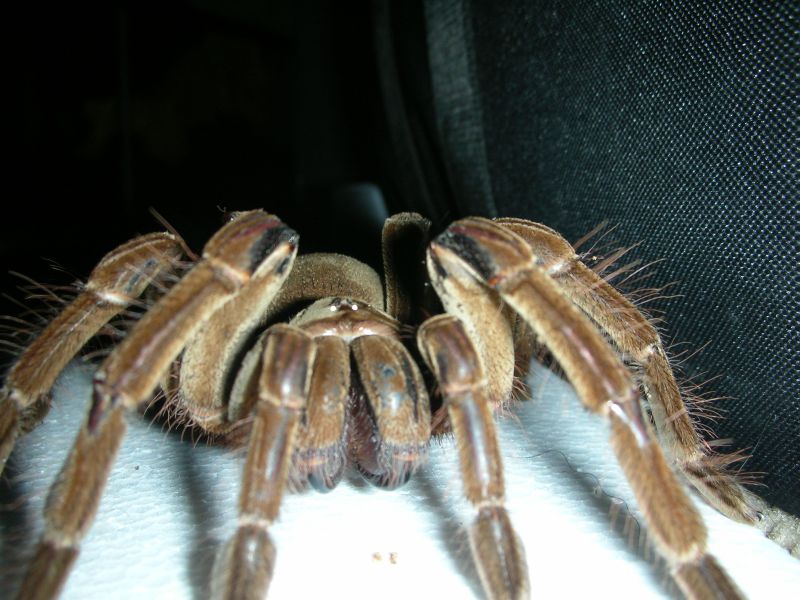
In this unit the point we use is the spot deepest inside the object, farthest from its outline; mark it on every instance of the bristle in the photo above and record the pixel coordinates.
(33, 285)
(602, 230)
(168, 226)
(627, 268)
(612, 258)
(597, 229)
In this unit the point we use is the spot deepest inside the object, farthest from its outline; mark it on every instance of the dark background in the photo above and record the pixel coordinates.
(183, 107)
(677, 124)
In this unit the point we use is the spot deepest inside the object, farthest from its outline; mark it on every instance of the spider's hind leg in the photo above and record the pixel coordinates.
(637, 340)
(480, 249)
(117, 280)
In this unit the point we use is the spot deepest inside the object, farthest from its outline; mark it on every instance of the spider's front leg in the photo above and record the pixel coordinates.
(496, 549)
(252, 246)
(244, 568)
(480, 250)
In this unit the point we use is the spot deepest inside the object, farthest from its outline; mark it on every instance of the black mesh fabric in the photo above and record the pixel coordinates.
(677, 122)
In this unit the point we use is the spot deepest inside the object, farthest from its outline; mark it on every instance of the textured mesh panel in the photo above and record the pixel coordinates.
(679, 124)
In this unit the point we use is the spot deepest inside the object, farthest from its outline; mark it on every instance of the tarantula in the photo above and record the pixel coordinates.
(336, 385)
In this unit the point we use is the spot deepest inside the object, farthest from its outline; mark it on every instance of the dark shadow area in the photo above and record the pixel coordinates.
(451, 533)
(206, 521)
(20, 524)
(189, 108)
(624, 528)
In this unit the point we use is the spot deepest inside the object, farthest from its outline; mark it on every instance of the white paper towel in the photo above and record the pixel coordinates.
(169, 504)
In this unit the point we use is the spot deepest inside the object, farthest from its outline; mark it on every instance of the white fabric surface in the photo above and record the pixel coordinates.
(169, 505)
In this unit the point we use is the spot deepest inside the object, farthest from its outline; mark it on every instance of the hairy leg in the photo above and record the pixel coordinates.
(639, 342)
(116, 282)
(480, 249)
(496, 549)
(130, 374)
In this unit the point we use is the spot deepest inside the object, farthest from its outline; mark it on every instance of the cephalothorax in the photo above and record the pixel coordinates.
(308, 352)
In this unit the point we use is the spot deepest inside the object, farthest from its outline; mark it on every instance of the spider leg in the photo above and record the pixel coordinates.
(252, 243)
(480, 249)
(486, 321)
(212, 354)
(118, 279)
(496, 549)
(244, 567)
(640, 343)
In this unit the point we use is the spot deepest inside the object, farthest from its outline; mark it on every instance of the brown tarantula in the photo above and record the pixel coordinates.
(335, 384)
